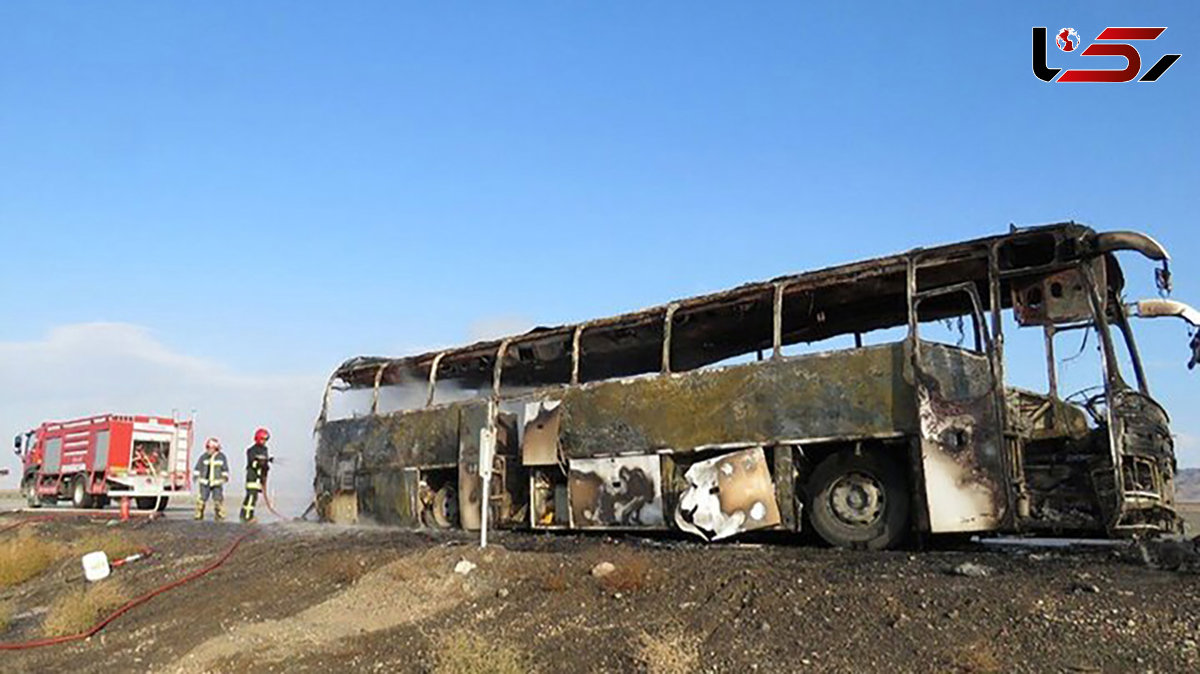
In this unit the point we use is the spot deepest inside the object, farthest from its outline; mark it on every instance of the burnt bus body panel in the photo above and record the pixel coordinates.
(840, 394)
(861, 393)
(379, 449)
(1143, 436)
(965, 483)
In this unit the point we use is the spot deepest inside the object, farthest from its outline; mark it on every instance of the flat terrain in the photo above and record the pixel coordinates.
(1191, 517)
(299, 597)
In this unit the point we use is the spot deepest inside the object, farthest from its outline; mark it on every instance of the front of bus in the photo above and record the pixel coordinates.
(1136, 492)
(1094, 454)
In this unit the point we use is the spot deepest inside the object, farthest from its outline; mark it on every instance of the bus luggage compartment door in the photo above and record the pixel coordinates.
(616, 492)
(727, 495)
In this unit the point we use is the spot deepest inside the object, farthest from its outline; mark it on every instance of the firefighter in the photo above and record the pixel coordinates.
(257, 464)
(211, 473)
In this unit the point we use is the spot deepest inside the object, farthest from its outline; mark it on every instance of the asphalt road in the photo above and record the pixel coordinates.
(178, 505)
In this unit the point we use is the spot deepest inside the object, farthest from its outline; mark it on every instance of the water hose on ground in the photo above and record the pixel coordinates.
(50, 641)
(93, 515)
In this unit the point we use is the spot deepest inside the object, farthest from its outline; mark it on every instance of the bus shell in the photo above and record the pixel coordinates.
(692, 416)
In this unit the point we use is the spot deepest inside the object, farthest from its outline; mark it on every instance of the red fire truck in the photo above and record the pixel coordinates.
(92, 460)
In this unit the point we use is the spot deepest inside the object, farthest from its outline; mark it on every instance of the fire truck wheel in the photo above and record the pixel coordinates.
(445, 507)
(150, 502)
(859, 501)
(29, 489)
(80, 498)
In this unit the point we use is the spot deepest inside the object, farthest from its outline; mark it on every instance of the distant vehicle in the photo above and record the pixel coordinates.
(93, 460)
(692, 415)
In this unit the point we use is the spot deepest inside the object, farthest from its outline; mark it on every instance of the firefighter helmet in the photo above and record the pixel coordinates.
(262, 435)
(212, 443)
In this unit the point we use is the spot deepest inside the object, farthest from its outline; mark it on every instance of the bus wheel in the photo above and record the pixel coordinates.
(859, 501)
(80, 498)
(445, 507)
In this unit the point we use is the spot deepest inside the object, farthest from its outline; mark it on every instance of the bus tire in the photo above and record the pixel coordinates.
(859, 501)
(445, 507)
(80, 498)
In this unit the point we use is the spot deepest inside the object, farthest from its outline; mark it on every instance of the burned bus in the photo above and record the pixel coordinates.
(699, 416)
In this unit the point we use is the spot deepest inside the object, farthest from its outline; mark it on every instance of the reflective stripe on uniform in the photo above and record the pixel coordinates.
(215, 470)
(213, 462)
(248, 505)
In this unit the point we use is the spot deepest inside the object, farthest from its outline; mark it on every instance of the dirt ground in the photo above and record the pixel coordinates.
(318, 598)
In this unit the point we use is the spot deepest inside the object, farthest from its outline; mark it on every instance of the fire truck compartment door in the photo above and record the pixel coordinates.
(101, 454)
(52, 455)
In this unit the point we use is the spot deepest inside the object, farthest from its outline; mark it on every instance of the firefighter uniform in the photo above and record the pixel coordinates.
(257, 465)
(211, 473)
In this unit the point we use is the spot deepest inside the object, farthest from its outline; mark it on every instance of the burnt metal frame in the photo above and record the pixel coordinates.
(433, 369)
(1095, 244)
(1114, 383)
(993, 349)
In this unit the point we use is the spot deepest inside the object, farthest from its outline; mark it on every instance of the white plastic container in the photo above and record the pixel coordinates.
(95, 566)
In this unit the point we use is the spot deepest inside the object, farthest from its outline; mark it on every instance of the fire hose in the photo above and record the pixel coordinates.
(198, 573)
(28, 520)
(267, 500)
(93, 515)
(270, 507)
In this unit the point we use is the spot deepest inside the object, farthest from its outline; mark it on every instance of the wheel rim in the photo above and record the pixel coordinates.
(857, 499)
(446, 507)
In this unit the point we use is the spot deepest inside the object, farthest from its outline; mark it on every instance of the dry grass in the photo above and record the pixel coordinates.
(24, 556)
(557, 581)
(633, 572)
(670, 651)
(76, 610)
(342, 568)
(6, 615)
(115, 544)
(463, 652)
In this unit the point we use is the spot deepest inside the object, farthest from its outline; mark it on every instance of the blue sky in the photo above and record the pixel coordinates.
(276, 186)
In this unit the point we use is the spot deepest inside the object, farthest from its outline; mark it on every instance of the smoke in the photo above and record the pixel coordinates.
(93, 368)
(494, 327)
(401, 397)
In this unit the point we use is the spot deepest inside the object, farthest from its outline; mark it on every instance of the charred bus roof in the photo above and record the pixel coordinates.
(846, 299)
